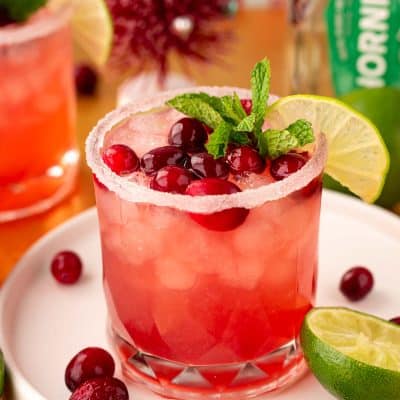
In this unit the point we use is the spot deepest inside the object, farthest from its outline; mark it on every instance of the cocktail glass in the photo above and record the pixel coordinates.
(196, 313)
(38, 154)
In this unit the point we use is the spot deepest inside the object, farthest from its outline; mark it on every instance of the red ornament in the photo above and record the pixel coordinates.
(148, 31)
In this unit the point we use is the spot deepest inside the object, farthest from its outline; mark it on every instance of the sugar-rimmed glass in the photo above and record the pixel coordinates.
(38, 154)
(195, 312)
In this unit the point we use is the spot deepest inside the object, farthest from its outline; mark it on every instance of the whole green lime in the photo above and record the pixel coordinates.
(381, 106)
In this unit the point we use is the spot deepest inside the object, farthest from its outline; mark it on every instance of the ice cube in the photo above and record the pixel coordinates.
(173, 274)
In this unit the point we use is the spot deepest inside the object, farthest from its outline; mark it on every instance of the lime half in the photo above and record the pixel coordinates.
(357, 155)
(92, 27)
(355, 356)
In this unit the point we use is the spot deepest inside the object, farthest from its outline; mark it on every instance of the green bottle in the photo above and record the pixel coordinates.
(351, 49)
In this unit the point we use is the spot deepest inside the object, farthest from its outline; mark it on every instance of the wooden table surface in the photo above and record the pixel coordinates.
(259, 33)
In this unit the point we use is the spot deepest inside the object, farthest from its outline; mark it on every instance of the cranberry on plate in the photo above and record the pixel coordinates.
(356, 283)
(89, 363)
(107, 388)
(66, 267)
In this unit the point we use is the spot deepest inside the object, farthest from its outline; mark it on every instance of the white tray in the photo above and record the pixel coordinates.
(44, 324)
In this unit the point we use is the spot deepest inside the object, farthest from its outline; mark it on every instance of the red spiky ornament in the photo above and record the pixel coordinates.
(148, 31)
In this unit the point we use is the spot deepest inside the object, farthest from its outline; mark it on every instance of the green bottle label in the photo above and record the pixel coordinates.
(364, 43)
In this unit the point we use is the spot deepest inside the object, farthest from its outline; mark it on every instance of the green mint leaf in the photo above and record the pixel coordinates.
(302, 130)
(20, 10)
(237, 106)
(262, 144)
(229, 109)
(279, 142)
(246, 124)
(239, 137)
(193, 105)
(218, 141)
(260, 83)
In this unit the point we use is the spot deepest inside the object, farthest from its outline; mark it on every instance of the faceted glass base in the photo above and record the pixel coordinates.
(271, 372)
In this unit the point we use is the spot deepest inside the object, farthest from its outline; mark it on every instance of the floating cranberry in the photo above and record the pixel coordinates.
(121, 159)
(160, 157)
(244, 160)
(205, 165)
(101, 389)
(247, 105)
(89, 363)
(395, 320)
(356, 283)
(286, 165)
(66, 267)
(222, 220)
(85, 80)
(189, 134)
(171, 179)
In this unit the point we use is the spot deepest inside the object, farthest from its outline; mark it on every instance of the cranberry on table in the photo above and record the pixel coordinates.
(244, 160)
(66, 267)
(247, 105)
(356, 283)
(121, 159)
(204, 165)
(189, 134)
(85, 80)
(101, 389)
(172, 179)
(395, 320)
(160, 157)
(225, 220)
(287, 164)
(89, 363)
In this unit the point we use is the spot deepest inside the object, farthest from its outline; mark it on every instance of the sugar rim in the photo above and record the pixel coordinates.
(133, 192)
(33, 30)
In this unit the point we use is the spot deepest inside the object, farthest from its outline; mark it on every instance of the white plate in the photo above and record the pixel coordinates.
(44, 324)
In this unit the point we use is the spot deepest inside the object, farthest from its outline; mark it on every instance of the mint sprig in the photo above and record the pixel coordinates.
(20, 10)
(226, 116)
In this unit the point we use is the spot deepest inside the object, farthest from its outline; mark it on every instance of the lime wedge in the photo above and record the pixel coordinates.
(355, 356)
(357, 155)
(92, 27)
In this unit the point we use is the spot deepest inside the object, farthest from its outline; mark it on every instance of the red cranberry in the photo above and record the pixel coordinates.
(205, 165)
(356, 283)
(85, 80)
(160, 157)
(244, 159)
(395, 320)
(189, 134)
(171, 179)
(286, 165)
(225, 220)
(89, 363)
(101, 389)
(247, 105)
(66, 267)
(121, 159)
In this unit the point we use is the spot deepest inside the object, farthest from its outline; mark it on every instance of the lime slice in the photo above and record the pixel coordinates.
(357, 155)
(92, 27)
(355, 356)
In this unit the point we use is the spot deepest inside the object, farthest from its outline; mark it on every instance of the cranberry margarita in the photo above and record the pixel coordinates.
(209, 264)
(38, 155)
